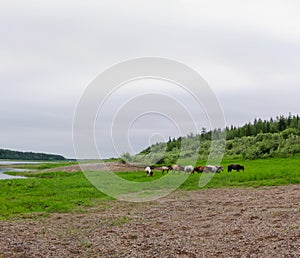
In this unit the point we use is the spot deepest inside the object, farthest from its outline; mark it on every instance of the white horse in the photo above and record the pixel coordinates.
(189, 169)
(213, 169)
(210, 168)
(148, 171)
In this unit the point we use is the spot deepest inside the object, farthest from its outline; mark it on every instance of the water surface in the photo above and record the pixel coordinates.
(8, 169)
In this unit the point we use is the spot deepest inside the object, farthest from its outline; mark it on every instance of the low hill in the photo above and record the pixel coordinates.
(20, 155)
(279, 137)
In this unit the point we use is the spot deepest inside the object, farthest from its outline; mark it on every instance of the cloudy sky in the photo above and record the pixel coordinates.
(248, 53)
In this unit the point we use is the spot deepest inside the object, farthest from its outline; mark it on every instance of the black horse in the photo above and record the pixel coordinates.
(236, 167)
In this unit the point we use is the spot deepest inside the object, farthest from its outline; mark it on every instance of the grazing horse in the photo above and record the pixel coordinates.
(199, 169)
(210, 168)
(149, 172)
(236, 167)
(177, 168)
(213, 169)
(189, 169)
(165, 168)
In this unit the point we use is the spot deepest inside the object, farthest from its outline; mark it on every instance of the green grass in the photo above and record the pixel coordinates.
(47, 192)
(263, 172)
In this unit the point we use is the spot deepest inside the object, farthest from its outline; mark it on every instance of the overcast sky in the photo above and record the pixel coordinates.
(248, 52)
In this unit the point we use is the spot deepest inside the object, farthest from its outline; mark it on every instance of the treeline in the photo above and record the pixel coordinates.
(259, 126)
(279, 137)
(19, 155)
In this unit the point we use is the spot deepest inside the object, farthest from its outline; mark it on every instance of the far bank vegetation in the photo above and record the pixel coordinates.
(279, 137)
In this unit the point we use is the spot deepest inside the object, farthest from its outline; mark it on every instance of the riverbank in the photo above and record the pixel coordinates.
(256, 222)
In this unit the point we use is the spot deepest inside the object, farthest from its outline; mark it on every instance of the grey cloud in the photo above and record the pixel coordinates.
(50, 51)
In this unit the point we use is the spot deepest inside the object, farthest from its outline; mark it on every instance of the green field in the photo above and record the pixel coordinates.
(262, 172)
(44, 193)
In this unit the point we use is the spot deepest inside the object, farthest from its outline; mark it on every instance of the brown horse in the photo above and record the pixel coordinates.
(199, 169)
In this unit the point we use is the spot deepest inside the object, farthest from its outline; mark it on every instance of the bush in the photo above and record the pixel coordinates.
(289, 132)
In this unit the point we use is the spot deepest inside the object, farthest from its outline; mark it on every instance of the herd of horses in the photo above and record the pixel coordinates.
(191, 169)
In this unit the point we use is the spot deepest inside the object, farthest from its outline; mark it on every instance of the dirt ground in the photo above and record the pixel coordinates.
(247, 222)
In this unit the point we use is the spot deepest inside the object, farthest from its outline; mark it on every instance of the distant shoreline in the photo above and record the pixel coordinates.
(6, 154)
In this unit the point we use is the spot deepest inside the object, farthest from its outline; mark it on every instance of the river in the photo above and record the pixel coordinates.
(7, 169)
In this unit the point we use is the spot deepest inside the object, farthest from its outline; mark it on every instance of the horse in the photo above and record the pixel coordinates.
(189, 169)
(236, 167)
(177, 168)
(199, 169)
(148, 171)
(210, 168)
(166, 168)
(213, 169)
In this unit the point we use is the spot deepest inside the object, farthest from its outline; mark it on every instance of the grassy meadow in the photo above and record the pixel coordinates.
(46, 192)
(261, 172)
